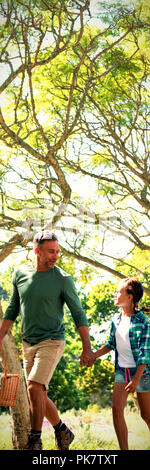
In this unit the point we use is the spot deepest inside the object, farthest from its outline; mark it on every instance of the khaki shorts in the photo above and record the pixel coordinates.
(40, 360)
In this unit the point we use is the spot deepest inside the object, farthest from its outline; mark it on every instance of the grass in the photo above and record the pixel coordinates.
(93, 430)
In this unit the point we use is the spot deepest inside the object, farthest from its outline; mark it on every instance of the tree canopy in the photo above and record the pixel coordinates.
(75, 128)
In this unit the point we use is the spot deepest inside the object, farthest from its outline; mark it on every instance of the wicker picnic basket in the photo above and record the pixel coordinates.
(9, 384)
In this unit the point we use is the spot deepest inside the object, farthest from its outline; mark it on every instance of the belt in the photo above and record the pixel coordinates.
(31, 344)
(126, 377)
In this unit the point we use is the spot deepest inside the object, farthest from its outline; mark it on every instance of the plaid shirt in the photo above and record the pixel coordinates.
(139, 335)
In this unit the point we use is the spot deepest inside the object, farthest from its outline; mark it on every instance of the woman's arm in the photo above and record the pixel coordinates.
(103, 350)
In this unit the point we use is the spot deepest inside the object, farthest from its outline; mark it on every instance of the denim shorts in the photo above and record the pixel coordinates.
(126, 374)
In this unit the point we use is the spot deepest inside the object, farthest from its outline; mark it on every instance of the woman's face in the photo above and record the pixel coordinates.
(121, 297)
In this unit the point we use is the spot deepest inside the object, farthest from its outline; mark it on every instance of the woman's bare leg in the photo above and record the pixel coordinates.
(144, 404)
(119, 401)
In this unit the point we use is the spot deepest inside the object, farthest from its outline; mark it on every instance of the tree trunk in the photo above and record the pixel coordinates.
(20, 412)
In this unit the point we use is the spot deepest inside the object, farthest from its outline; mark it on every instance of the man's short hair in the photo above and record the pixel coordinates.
(42, 236)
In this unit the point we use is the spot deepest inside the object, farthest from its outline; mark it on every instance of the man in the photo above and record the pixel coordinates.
(39, 293)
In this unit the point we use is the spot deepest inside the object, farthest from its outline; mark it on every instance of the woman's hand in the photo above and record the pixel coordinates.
(132, 385)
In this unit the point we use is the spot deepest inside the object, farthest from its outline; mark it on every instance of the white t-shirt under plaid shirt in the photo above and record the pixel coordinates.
(125, 356)
(139, 336)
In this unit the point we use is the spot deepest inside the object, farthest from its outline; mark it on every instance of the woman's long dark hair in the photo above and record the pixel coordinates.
(134, 287)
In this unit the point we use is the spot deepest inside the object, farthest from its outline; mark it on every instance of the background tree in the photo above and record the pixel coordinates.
(19, 413)
(77, 80)
(74, 117)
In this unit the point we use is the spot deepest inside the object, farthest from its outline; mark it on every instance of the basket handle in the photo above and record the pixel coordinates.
(5, 367)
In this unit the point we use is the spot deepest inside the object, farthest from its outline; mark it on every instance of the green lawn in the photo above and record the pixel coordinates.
(93, 430)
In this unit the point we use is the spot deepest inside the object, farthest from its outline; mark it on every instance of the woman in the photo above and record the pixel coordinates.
(130, 338)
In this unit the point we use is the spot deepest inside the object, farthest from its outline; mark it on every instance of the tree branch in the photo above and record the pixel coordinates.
(97, 264)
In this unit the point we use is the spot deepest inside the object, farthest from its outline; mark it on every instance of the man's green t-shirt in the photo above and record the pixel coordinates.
(40, 298)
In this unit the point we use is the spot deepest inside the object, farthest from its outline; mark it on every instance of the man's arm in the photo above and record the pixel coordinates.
(4, 327)
(87, 357)
(11, 312)
(72, 300)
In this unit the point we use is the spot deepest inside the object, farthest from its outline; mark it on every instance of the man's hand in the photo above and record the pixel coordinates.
(87, 358)
(4, 327)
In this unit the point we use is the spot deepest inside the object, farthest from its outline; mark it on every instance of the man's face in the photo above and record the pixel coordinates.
(47, 254)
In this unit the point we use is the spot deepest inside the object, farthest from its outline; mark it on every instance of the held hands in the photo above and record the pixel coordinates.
(87, 358)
